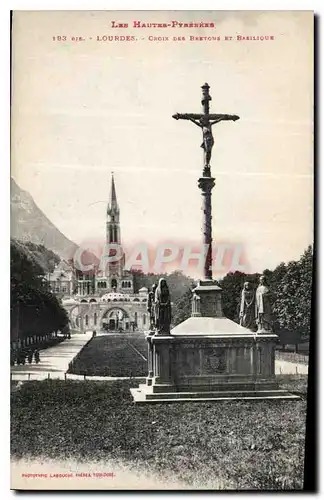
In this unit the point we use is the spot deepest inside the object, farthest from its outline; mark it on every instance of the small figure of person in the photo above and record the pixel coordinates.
(247, 318)
(30, 357)
(162, 306)
(22, 357)
(263, 313)
(37, 356)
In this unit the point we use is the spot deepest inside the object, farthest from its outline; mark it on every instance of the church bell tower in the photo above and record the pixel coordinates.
(113, 222)
(114, 269)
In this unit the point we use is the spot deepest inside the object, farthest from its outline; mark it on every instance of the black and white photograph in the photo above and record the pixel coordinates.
(161, 249)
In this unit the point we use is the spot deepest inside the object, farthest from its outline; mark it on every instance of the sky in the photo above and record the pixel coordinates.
(81, 110)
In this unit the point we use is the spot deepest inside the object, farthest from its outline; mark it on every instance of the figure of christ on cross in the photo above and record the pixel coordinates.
(206, 183)
(205, 121)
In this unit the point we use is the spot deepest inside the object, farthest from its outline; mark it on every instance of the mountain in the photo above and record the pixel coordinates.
(29, 223)
(40, 258)
(38, 254)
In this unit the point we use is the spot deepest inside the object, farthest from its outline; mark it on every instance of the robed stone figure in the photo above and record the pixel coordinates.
(263, 312)
(162, 308)
(247, 316)
(151, 306)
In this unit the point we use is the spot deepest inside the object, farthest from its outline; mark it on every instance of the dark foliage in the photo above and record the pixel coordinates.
(45, 257)
(34, 309)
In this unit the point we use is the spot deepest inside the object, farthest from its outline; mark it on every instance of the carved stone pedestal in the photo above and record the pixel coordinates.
(210, 359)
(149, 377)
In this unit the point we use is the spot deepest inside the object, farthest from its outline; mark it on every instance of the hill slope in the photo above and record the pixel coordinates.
(29, 223)
(37, 254)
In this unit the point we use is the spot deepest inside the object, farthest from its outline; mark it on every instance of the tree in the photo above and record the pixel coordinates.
(34, 310)
(181, 308)
(293, 295)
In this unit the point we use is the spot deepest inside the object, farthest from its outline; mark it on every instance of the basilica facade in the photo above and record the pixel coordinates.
(106, 299)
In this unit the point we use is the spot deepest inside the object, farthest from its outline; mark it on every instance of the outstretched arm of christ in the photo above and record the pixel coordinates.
(196, 123)
(219, 118)
(186, 116)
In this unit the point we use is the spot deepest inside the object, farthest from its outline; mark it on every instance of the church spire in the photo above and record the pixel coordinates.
(115, 268)
(112, 224)
(112, 205)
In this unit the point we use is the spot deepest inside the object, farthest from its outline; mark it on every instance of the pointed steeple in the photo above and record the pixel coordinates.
(114, 270)
(112, 205)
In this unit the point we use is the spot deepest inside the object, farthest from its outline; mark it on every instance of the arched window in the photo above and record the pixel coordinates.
(144, 319)
(114, 283)
(95, 318)
(86, 320)
(129, 284)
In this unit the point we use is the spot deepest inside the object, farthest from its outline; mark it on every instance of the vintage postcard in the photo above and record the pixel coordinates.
(161, 249)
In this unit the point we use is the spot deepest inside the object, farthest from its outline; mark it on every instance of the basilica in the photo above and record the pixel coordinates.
(105, 300)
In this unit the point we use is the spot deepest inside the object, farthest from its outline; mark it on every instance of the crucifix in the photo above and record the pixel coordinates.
(206, 183)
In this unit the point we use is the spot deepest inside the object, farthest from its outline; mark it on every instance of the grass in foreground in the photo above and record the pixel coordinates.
(242, 444)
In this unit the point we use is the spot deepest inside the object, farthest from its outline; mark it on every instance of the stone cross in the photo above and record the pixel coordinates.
(206, 183)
